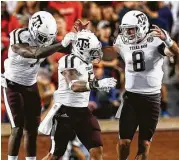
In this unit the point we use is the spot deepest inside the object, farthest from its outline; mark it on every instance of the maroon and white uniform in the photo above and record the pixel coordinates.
(22, 98)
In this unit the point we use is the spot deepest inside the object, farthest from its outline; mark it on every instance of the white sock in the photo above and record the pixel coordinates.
(12, 157)
(30, 158)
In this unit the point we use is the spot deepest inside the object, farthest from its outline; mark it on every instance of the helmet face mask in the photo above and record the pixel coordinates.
(95, 56)
(43, 40)
(134, 27)
(130, 34)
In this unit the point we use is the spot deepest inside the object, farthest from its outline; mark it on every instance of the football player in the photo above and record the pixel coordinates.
(70, 113)
(143, 50)
(21, 94)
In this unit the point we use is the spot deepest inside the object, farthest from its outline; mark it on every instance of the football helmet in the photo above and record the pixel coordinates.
(87, 47)
(134, 27)
(43, 28)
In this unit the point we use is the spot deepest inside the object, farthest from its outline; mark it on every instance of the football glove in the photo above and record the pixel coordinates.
(104, 84)
(69, 37)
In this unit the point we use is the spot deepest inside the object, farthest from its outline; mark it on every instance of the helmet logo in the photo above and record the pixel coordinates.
(141, 19)
(82, 44)
(37, 21)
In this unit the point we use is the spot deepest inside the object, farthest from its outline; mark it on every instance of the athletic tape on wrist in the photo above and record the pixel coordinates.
(168, 42)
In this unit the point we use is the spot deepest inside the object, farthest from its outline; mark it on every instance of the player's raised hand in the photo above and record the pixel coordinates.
(69, 37)
(158, 32)
(79, 25)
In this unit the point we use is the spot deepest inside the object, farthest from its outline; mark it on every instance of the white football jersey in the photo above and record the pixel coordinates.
(17, 68)
(143, 64)
(64, 94)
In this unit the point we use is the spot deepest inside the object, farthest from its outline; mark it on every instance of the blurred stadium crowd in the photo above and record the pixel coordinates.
(105, 18)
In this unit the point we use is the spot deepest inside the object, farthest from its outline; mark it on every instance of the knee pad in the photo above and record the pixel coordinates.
(17, 131)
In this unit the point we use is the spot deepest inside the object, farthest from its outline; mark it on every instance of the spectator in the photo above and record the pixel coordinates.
(104, 32)
(93, 13)
(61, 23)
(8, 23)
(128, 6)
(175, 29)
(152, 10)
(165, 14)
(172, 86)
(70, 10)
(108, 14)
(27, 8)
(11, 5)
(5, 19)
(118, 6)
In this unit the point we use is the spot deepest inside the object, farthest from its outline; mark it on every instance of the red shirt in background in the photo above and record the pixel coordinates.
(70, 10)
(7, 25)
(14, 23)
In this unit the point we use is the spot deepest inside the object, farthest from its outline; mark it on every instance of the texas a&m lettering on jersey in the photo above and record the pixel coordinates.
(143, 64)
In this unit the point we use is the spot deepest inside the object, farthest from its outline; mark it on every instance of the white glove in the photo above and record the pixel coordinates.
(69, 37)
(106, 84)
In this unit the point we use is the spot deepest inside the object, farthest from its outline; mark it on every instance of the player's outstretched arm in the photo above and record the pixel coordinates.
(77, 85)
(27, 51)
(172, 47)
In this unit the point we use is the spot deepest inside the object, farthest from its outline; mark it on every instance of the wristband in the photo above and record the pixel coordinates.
(93, 84)
(168, 42)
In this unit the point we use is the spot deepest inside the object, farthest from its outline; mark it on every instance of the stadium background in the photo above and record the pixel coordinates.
(105, 18)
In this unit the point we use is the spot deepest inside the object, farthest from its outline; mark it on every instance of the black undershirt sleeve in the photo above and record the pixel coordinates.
(161, 49)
